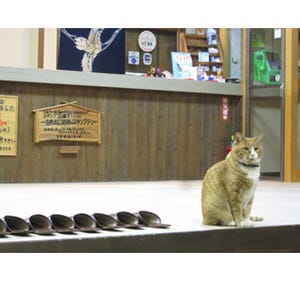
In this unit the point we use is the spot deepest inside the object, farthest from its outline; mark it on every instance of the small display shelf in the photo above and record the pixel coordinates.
(202, 53)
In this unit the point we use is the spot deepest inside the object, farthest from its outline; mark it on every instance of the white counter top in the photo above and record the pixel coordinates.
(77, 78)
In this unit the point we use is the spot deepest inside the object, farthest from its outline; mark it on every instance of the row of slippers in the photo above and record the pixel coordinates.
(41, 224)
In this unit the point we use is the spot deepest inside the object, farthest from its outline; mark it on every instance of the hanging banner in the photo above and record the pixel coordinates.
(92, 50)
(67, 122)
(8, 125)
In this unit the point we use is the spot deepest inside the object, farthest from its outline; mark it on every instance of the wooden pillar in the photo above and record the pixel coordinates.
(244, 81)
(291, 102)
(41, 42)
(48, 48)
(225, 50)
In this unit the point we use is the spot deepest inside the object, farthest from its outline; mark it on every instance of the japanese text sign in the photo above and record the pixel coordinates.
(67, 122)
(8, 125)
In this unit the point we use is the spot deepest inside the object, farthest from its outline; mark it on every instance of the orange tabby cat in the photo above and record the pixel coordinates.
(228, 186)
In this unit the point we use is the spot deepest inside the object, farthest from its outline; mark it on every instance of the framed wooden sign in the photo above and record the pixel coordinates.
(67, 122)
(8, 125)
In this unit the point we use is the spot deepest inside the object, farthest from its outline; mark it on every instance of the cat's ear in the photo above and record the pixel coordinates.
(238, 137)
(259, 137)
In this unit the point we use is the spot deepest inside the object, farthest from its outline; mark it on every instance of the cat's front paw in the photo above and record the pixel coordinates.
(232, 223)
(255, 218)
(246, 223)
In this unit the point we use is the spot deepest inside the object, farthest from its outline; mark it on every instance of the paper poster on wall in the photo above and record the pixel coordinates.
(182, 65)
(277, 33)
(67, 122)
(8, 125)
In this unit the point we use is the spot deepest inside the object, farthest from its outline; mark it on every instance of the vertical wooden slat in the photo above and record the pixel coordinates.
(194, 151)
(123, 139)
(172, 133)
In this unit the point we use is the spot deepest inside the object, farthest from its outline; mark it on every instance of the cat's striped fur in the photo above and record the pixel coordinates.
(228, 186)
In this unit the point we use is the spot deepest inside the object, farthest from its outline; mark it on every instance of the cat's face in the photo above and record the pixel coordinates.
(248, 150)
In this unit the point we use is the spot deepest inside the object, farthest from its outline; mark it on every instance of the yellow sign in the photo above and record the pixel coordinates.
(8, 125)
(67, 122)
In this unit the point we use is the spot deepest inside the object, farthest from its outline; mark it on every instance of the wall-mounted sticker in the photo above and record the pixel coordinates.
(147, 58)
(147, 41)
(277, 33)
(134, 57)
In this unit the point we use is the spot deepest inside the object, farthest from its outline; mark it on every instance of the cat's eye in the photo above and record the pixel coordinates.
(246, 148)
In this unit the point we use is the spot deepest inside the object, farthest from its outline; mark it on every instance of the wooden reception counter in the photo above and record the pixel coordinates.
(151, 128)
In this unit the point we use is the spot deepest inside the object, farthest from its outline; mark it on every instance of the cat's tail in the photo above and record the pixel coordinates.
(255, 218)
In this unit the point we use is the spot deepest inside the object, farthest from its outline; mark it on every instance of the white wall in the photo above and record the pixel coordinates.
(19, 47)
(50, 48)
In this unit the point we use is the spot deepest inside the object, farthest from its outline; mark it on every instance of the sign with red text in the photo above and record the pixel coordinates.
(225, 109)
(67, 122)
(8, 125)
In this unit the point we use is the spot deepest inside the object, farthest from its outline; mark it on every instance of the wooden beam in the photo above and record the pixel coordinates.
(225, 50)
(291, 103)
(41, 43)
(244, 82)
(182, 43)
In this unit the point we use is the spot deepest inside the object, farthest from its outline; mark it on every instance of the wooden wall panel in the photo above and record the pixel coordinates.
(161, 56)
(146, 135)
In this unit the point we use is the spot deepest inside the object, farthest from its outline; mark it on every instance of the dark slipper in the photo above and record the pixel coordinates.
(62, 223)
(85, 223)
(150, 219)
(16, 225)
(105, 221)
(3, 228)
(126, 219)
(40, 224)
